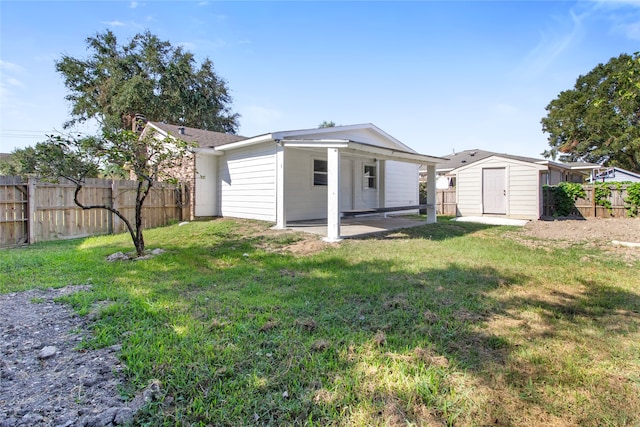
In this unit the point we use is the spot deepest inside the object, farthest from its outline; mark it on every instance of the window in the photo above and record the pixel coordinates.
(319, 172)
(370, 176)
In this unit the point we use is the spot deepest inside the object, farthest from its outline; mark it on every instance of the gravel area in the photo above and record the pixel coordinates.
(45, 380)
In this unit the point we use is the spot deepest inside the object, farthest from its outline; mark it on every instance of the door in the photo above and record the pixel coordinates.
(346, 184)
(494, 191)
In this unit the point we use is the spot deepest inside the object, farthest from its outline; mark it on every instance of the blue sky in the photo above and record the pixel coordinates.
(439, 76)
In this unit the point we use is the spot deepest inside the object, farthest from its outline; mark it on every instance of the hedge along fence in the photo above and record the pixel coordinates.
(36, 211)
(601, 200)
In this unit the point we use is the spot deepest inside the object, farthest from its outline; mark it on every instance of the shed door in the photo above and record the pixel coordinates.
(494, 191)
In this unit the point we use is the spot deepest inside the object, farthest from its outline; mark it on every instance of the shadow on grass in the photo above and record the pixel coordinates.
(442, 230)
(242, 333)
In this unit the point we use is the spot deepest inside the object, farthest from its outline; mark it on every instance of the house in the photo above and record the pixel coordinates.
(613, 175)
(505, 185)
(306, 174)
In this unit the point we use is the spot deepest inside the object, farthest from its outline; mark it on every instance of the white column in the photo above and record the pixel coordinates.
(281, 212)
(382, 181)
(333, 195)
(431, 194)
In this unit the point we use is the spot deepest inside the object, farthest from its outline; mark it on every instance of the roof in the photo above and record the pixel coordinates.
(217, 142)
(466, 157)
(202, 138)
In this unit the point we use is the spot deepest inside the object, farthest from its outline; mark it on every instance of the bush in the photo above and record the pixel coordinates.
(632, 202)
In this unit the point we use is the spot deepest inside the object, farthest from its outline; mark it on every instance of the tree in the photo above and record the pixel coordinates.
(598, 120)
(326, 124)
(147, 157)
(145, 76)
(20, 162)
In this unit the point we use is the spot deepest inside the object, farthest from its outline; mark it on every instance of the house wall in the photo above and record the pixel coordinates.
(248, 182)
(522, 185)
(303, 200)
(402, 186)
(555, 177)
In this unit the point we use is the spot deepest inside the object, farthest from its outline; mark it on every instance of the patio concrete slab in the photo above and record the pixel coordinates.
(351, 227)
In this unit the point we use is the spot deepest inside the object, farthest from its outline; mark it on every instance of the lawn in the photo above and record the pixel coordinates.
(443, 324)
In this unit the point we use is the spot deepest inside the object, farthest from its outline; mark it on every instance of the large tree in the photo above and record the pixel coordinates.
(145, 76)
(599, 119)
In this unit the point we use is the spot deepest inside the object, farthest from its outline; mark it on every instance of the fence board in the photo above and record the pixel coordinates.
(37, 211)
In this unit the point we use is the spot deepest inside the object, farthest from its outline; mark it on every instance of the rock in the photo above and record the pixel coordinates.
(47, 352)
(118, 256)
(157, 251)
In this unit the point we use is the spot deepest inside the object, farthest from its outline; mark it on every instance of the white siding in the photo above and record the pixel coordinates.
(401, 184)
(206, 188)
(469, 191)
(248, 183)
(523, 191)
(303, 200)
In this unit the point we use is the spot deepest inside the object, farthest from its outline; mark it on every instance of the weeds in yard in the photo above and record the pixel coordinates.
(448, 324)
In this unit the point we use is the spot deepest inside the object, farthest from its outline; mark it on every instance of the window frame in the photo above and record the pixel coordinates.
(314, 173)
(366, 179)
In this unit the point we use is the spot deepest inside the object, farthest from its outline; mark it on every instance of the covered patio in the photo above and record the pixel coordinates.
(340, 222)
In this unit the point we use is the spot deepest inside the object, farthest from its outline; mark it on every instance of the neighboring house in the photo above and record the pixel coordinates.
(614, 175)
(444, 178)
(510, 186)
(301, 174)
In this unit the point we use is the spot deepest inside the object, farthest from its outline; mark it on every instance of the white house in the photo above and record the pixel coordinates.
(303, 174)
(614, 175)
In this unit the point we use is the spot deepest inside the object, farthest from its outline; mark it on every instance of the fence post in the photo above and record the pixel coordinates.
(593, 201)
(114, 221)
(31, 210)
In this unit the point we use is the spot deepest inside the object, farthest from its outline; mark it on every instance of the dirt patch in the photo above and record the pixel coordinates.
(308, 246)
(609, 234)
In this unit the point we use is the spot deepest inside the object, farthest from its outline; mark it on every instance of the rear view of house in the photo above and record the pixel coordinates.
(302, 174)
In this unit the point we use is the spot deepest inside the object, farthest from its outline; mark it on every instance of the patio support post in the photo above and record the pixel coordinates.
(382, 188)
(281, 212)
(431, 194)
(333, 195)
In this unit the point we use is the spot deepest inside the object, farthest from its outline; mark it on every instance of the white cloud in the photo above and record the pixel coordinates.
(14, 82)
(114, 23)
(133, 5)
(556, 40)
(10, 66)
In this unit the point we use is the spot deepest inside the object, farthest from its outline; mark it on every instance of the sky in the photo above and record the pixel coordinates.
(441, 77)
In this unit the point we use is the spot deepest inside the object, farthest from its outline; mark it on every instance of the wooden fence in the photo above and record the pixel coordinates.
(446, 202)
(35, 211)
(586, 207)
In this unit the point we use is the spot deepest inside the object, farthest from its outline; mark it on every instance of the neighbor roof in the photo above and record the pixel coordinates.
(203, 138)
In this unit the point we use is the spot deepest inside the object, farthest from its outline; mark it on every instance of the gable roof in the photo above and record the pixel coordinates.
(466, 157)
(463, 158)
(363, 139)
(202, 138)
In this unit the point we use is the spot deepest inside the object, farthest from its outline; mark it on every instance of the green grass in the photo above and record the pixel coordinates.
(450, 323)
